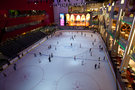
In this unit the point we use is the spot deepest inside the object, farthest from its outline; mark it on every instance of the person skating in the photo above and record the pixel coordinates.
(94, 40)
(90, 50)
(14, 67)
(82, 62)
(81, 33)
(99, 46)
(18, 56)
(74, 57)
(92, 43)
(40, 53)
(98, 58)
(71, 44)
(91, 35)
(99, 65)
(4, 74)
(55, 48)
(91, 53)
(51, 54)
(95, 66)
(35, 55)
(39, 61)
(49, 58)
(104, 58)
(50, 46)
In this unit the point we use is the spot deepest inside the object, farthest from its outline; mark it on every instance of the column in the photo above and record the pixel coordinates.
(111, 15)
(117, 33)
(126, 57)
(116, 36)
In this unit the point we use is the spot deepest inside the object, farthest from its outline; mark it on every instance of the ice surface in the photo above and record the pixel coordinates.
(63, 72)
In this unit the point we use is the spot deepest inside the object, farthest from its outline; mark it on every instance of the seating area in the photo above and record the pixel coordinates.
(12, 47)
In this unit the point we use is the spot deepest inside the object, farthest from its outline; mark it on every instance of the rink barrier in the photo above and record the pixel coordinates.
(5, 66)
(13, 60)
(24, 52)
(110, 64)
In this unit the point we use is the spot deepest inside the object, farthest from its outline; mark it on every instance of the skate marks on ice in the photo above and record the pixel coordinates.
(77, 81)
(25, 78)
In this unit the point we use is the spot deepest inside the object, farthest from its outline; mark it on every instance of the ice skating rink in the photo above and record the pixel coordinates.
(71, 68)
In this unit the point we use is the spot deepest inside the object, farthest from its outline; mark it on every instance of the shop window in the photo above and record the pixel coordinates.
(125, 30)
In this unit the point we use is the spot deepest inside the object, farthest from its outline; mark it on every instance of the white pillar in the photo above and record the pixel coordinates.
(126, 57)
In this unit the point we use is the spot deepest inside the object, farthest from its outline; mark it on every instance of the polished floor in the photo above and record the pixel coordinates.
(72, 66)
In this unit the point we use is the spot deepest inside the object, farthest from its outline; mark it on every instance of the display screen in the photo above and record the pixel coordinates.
(62, 19)
(77, 19)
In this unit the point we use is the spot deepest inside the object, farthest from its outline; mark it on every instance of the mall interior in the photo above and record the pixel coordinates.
(25, 22)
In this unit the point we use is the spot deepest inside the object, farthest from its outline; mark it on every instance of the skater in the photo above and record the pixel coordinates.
(35, 55)
(72, 37)
(57, 42)
(90, 50)
(92, 43)
(55, 48)
(91, 35)
(39, 61)
(95, 66)
(51, 55)
(81, 33)
(49, 58)
(18, 56)
(104, 58)
(74, 57)
(40, 53)
(14, 67)
(5, 75)
(94, 40)
(99, 65)
(91, 53)
(71, 44)
(50, 46)
(98, 58)
(99, 46)
(82, 62)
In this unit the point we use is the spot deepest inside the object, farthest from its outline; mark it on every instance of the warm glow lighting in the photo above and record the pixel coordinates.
(72, 18)
(113, 4)
(78, 18)
(83, 18)
(88, 17)
(24, 33)
(68, 17)
(122, 1)
(88, 10)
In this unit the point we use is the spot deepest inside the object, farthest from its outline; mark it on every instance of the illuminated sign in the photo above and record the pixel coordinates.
(77, 19)
(61, 19)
